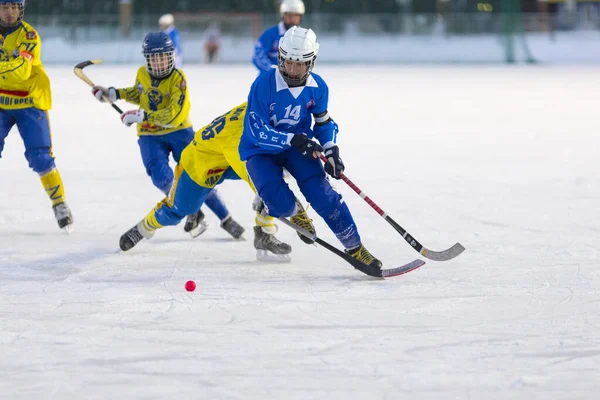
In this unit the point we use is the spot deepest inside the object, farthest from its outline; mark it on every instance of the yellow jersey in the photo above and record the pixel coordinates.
(23, 83)
(215, 149)
(224, 131)
(165, 101)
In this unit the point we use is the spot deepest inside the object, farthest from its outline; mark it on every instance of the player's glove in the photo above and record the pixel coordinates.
(335, 165)
(308, 148)
(23, 53)
(99, 92)
(133, 117)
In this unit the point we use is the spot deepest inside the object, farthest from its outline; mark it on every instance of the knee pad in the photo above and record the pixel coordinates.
(40, 160)
(279, 199)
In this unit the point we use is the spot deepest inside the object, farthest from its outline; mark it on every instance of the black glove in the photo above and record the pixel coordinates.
(308, 148)
(335, 165)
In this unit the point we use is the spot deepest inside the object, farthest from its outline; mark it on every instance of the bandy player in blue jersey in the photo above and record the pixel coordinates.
(266, 49)
(277, 134)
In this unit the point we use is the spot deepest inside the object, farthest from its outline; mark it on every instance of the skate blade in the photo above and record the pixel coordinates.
(268, 257)
(242, 238)
(69, 229)
(199, 230)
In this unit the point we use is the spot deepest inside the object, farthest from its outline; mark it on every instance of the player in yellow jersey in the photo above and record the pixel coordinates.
(208, 160)
(25, 99)
(163, 124)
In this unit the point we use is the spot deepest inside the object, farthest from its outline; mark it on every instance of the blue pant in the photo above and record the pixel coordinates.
(188, 198)
(266, 172)
(34, 128)
(155, 152)
(155, 155)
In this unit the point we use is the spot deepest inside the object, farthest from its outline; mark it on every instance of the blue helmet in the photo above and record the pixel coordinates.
(12, 12)
(159, 51)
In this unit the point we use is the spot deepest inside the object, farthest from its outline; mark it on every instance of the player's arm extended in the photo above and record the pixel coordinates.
(176, 111)
(260, 59)
(18, 69)
(130, 94)
(265, 136)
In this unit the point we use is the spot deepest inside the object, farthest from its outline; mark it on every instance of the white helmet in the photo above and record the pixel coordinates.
(292, 7)
(166, 20)
(298, 45)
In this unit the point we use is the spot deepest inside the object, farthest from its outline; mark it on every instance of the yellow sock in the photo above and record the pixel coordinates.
(150, 222)
(53, 184)
(266, 223)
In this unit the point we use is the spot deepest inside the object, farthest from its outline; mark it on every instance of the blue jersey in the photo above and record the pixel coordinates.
(275, 112)
(175, 36)
(266, 48)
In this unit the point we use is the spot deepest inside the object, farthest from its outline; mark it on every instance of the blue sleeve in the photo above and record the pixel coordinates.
(325, 129)
(257, 120)
(176, 38)
(260, 58)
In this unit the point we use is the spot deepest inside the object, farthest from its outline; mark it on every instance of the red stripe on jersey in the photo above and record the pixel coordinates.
(18, 93)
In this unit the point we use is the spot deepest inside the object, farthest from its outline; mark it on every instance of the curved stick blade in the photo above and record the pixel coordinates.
(444, 255)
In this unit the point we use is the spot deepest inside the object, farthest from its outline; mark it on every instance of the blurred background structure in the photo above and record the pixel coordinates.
(357, 31)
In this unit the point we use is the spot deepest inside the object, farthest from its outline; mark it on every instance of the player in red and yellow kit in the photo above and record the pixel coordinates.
(25, 99)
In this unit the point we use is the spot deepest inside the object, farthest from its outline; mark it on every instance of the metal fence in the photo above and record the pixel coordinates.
(103, 27)
(400, 37)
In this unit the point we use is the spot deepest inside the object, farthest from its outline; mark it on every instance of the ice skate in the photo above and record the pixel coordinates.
(303, 221)
(362, 254)
(195, 224)
(233, 228)
(269, 248)
(63, 215)
(135, 235)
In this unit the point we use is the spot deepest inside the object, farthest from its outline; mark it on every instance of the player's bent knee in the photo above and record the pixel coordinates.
(167, 216)
(39, 161)
(279, 199)
(162, 184)
(162, 177)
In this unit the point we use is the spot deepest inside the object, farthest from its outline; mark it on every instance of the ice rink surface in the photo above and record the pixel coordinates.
(502, 159)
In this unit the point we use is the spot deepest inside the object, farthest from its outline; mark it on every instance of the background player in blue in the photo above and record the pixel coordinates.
(277, 134)
(167, 25)
(163, 124)
(266, 49)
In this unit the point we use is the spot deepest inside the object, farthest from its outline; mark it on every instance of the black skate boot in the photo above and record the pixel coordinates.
(135, 235)
(63, 215)
(303, 221)
(362, 254)
(269, 248)
(195, 224)
(233, 228)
